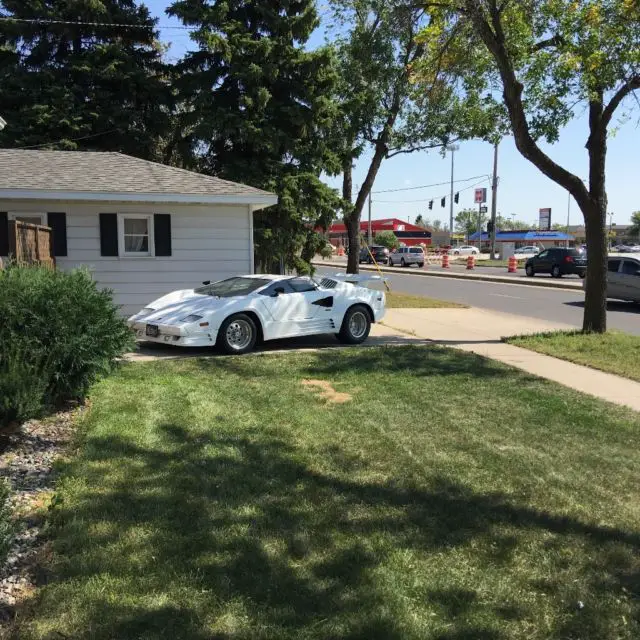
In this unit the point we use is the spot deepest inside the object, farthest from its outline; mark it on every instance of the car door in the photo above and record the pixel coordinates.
(542, 262)
(630, 279)
(614, 285)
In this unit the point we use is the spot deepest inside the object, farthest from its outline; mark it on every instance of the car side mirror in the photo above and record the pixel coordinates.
(277, 291)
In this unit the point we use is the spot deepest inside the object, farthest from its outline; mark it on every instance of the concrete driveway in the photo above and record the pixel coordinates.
(380, 336)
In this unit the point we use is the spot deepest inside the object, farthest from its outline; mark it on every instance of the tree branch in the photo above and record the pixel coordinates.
(630, 86)
(556, 41)
(392, 153)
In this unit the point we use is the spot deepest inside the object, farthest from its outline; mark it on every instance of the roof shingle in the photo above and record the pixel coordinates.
(107, 172)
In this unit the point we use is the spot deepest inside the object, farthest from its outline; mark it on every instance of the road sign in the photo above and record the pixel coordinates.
(480, 196)
(483, 209)
(544, 221)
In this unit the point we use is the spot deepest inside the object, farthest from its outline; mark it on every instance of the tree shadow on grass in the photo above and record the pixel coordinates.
(238, 537)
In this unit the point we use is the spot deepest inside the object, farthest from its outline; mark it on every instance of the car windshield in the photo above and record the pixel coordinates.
(232, 287)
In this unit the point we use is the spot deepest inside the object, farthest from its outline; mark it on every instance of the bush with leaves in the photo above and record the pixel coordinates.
(6, 523)
(387, 239)
(58, 334)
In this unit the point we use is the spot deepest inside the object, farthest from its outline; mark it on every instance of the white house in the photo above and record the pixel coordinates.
(142, 228)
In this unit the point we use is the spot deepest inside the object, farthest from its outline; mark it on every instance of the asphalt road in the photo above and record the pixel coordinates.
(534, 302)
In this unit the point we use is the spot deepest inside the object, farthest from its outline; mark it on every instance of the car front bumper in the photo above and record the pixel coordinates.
(175, 336)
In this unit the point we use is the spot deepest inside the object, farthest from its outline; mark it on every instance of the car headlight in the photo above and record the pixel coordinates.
(192, 318)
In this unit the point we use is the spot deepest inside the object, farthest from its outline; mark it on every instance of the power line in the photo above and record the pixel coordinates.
(79, 23)
(427, 186)
(46, 144)
(485, 179)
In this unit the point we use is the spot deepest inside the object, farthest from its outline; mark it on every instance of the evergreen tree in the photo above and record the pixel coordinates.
(258, 109)
(99, 86)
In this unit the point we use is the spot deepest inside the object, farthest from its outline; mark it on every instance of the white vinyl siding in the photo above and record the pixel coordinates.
(209, 242)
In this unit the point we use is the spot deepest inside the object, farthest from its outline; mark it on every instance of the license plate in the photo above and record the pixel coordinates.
(152, 330)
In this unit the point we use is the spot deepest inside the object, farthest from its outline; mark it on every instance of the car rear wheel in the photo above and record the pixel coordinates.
(237, 335)
(583, 274)
(355, 326)
(555, 271)
(529, 271)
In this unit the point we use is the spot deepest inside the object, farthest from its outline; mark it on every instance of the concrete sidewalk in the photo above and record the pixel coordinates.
(481, 331)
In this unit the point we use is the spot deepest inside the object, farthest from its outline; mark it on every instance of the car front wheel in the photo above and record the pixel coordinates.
(237, 335)
(529, 271)
(355, 326)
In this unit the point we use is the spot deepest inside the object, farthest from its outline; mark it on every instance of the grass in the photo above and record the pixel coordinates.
(451, 498)
(397, 300)
(614, 352)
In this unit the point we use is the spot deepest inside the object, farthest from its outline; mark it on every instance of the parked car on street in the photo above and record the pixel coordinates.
(405, 256)
(623, 279)
(380, 253)
(529, 249)
(465, 250)
(235, 313)
(557, 261)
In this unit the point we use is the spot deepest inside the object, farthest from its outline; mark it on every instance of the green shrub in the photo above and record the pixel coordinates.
(387, 239)
(6, 524)
(60, 326)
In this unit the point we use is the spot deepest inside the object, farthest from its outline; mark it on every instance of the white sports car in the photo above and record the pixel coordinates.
(236, 313)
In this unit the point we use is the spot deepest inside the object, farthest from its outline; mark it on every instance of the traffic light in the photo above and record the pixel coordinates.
(430, 204)
(456, 198)
(443, 202)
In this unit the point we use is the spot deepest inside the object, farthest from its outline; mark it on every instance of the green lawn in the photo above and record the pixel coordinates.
(450, 498)
(407, 301)
(614, 352)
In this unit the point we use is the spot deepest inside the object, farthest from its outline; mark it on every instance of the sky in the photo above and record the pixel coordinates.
(522, 190)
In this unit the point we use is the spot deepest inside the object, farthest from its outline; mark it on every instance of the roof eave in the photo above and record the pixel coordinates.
(256, 201)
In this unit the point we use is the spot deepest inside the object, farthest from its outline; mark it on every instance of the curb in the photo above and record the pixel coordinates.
(530, 282)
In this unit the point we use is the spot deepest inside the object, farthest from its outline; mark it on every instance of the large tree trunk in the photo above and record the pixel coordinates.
(351, 219)
(595, 219)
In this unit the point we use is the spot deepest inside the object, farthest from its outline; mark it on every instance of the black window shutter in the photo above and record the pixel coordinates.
(162, 233)
(58, 223)
(108, 234)
(4, 234)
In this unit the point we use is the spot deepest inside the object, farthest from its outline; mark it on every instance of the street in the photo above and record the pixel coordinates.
(534, 302)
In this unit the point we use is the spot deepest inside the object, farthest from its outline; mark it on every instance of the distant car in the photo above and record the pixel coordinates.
(558, 262)
(405, 256)
(623, 279)
(380, 253)
(234, 314)
(465, 250)
(530, 249)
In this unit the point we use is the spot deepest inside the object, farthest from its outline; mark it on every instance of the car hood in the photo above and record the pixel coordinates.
(174, 307)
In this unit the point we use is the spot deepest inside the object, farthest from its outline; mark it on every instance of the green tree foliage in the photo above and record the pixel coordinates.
(551, 60)
(635, 224)
(466, 221)
(257, 108)
(381, 111)
(387, 239)
(86, 86)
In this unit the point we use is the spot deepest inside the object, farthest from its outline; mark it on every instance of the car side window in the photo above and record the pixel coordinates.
(631, 268)
(544, 254)
(278, 284)
(300, 285)
(613, 266)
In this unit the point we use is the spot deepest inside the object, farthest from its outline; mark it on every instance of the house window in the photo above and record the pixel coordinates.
(30, 218)
(135, 235)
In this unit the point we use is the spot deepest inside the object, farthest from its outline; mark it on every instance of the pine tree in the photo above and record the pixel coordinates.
(258, 109)
(99, 86)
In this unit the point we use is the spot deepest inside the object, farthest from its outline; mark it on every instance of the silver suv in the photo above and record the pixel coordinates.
(404, 256)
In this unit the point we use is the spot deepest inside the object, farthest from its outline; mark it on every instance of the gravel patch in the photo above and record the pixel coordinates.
(26, 462)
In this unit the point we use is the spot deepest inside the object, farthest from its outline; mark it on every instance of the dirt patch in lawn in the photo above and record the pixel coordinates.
(325, 390)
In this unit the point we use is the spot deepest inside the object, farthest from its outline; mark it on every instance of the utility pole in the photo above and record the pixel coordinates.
(369, 240)
(494, 201)
(453, 148)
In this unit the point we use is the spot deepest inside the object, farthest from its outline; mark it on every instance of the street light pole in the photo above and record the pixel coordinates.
(369, 225)
(453, 148)
(494, 201)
